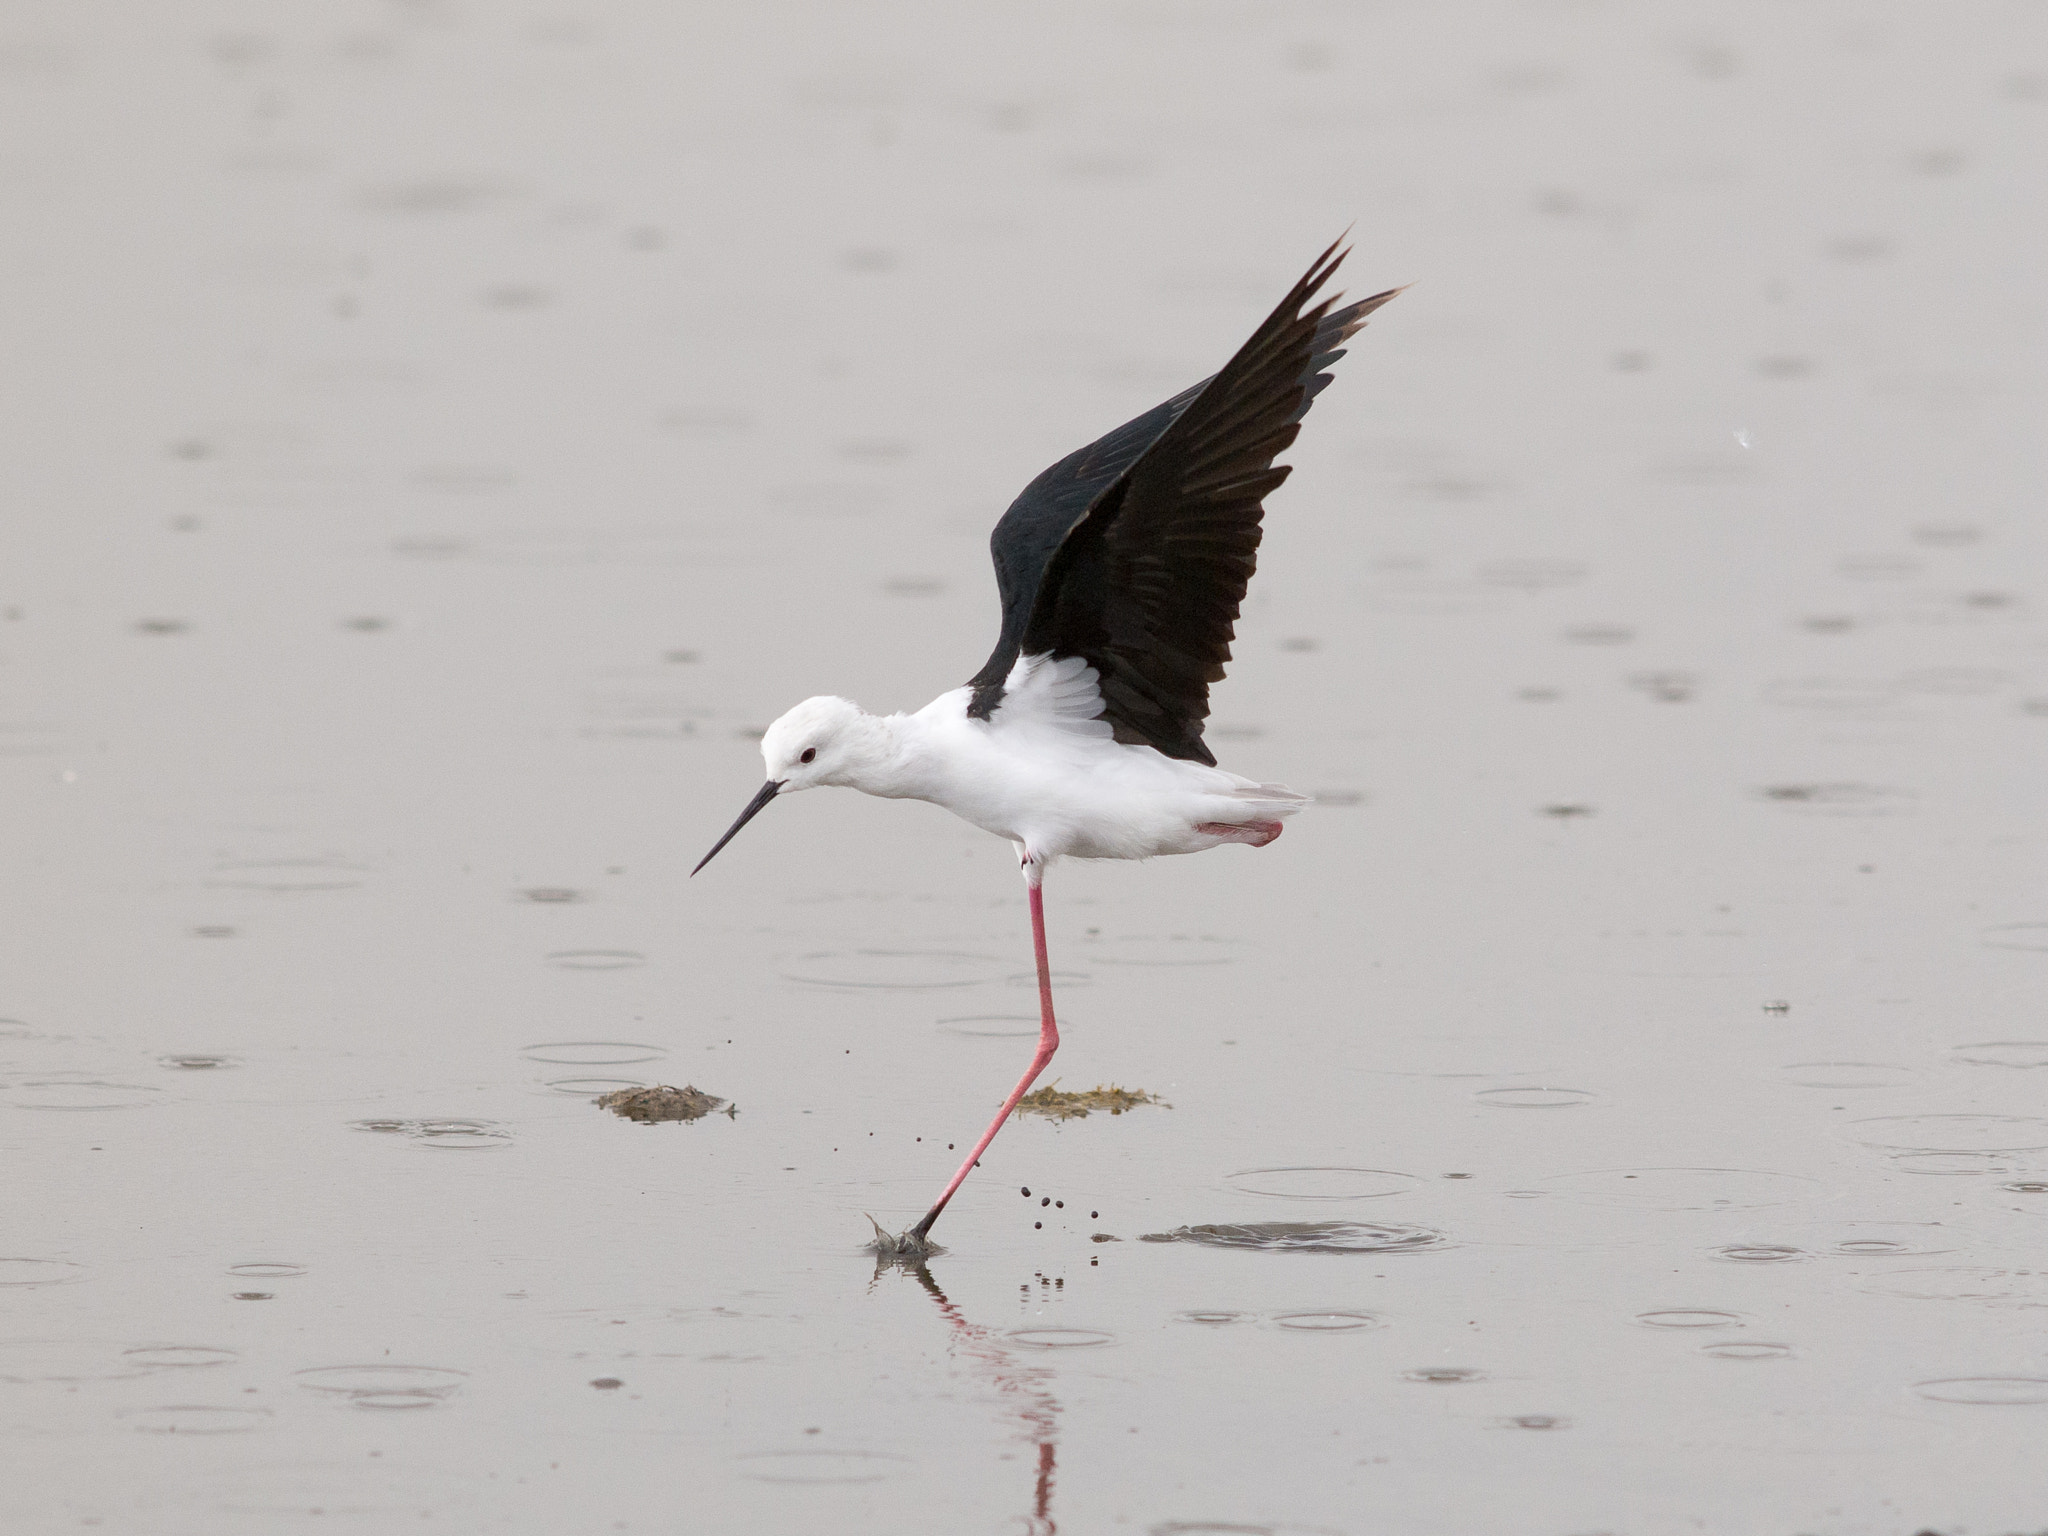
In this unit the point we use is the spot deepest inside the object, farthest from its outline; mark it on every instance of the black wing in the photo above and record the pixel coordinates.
(1134, 553)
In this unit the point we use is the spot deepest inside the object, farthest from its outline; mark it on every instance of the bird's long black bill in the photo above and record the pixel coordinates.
(753, 809)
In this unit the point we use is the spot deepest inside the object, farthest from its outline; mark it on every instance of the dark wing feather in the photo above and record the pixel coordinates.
(1038, 522)
(1135, 552)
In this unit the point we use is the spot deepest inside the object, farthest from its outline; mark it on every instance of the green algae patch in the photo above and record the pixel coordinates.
(648, 1105)
(1057, 1104)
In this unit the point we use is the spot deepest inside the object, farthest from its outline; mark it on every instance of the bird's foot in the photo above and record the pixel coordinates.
(909, 1246)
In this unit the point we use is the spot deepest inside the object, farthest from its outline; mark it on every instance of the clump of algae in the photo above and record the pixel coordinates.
(648, 1105)
(1058, 1104)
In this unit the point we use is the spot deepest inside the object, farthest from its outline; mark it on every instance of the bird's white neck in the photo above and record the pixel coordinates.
(890, 758)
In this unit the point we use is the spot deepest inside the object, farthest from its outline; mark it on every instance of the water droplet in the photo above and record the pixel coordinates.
(1305, 1237)
(1689, 1317)
(195, 1419)
(1960, 1282)
(551, 895)
(1840, 799)
(2027, 1187)
(394, 1401)
(15, 1272)
(2003, 1053)
(27, 1361)
(1535, 1421)
(197, 1062)
(593, 1053)
(383, 1386)
(1951, 1133)
(1213, 1319)
(167, 1357)
(80, 1093)
(1760, 1253)
(1685, 1189)
(461, 1135)
(1747, 1349)
(1060, 1338)
(1535, 1098)
(1443, 1375)
(453, 1135)
(596, 959)
(1882, 1239)
(265, 1271)
(447, 194)
(1326, 1322)
(592, 1087)
(1321, 1183)
(1986, 1391)
(1950, 1163)
(1665, 687)
(820, 1467)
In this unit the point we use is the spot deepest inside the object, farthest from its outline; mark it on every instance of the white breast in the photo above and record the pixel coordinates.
(1047, 772)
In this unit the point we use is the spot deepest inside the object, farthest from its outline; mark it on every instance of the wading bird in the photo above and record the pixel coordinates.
(1121, 569)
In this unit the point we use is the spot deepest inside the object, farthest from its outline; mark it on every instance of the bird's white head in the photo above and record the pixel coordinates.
(822, 741)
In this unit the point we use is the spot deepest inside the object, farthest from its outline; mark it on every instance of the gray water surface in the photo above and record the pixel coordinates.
(439, 438)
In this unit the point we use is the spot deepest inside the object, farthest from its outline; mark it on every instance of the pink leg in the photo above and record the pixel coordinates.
(1048, 1042)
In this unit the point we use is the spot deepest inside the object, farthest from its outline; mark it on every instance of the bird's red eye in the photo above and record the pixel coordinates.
(810, 754)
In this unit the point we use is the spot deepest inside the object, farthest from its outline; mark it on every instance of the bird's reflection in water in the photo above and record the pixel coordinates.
(1026, 1390)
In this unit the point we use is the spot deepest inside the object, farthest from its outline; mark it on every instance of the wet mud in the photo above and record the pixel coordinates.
(662, 1102)
(1055, 1103)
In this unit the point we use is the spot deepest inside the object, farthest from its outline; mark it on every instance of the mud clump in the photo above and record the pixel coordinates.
(1056, 1104)
(647, 1105)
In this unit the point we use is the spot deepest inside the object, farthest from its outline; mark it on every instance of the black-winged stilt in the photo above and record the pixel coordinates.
(1121, 569)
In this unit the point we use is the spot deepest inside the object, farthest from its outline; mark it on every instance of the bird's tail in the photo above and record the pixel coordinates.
(1270, 799)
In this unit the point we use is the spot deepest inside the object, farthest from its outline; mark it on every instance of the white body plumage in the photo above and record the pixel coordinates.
(1045, 771)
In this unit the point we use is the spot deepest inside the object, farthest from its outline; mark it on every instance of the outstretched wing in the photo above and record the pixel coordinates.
(1134, 553)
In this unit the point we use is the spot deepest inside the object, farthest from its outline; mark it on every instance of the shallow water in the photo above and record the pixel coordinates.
(441, 438)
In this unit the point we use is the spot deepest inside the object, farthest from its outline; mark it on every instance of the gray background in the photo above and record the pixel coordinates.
(436, 437)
